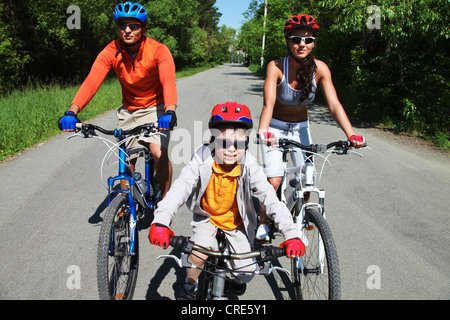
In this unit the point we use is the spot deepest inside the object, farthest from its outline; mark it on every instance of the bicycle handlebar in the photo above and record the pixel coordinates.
(184, 245)
(88, 129)
(284, 143)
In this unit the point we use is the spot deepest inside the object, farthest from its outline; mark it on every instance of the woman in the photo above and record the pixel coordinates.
(290, 85)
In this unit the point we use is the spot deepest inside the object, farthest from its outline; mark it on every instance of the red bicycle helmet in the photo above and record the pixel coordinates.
(231, 112)
(300, 21)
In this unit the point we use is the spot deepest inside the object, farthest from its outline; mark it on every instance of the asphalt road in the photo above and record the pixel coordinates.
(388, 210)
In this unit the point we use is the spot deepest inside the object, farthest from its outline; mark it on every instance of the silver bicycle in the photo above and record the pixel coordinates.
(316, 275)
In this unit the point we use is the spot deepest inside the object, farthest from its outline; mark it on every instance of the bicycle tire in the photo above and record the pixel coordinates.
(312, 284)
(116, 269)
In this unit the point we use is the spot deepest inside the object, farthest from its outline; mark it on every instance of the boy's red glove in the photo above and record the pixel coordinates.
(160, 235)
(294, 247)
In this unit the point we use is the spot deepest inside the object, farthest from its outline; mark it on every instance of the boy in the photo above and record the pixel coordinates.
(217, 185)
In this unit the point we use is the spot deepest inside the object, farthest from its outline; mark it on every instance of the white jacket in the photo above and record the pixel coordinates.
(190, 186)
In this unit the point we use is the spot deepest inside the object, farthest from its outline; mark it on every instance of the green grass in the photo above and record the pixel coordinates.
(29, 117)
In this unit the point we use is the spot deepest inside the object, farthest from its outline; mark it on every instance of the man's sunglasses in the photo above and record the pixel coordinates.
(238, 144)
(297, 39)
(133, 26)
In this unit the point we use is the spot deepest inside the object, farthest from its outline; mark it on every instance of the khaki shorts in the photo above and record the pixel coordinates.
(204, 234)
(127, 120)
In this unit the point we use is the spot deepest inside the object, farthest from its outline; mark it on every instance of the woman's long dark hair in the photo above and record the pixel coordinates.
(305, 75)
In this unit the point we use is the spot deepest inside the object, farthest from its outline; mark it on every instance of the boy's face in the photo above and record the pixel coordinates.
(230, 146)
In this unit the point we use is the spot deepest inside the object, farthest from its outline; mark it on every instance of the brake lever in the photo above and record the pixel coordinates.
(182, 263)
(268, 269)
(354, 152)
(75, 135)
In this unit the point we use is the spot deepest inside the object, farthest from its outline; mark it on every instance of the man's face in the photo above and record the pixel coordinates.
(131, 30)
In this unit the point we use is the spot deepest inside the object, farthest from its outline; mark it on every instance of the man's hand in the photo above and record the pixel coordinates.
(167, 121)
(68, 121)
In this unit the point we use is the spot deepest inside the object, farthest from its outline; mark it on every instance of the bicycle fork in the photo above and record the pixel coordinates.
(131, 203)
(303, 224)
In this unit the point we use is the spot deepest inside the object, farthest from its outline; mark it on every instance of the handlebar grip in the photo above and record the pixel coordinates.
(177, 242)
(181, 244)
(279, 252)
(79, 125)
(273, 252)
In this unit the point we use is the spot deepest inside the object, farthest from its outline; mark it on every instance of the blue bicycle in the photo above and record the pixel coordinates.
(118, 245)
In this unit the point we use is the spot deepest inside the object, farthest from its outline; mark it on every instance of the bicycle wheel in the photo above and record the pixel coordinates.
(116, 268)
(320, 278)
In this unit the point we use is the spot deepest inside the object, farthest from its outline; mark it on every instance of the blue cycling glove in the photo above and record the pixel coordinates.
(168, 120)
(68, 121)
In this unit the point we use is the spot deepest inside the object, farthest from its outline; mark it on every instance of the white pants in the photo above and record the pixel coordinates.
(272, 158)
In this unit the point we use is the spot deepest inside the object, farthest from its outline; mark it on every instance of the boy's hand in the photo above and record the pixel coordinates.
(160, 235)
(294, 248)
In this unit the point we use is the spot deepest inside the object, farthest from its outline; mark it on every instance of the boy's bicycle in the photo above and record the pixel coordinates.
(316, 275)
(214, 283)
(118, 246)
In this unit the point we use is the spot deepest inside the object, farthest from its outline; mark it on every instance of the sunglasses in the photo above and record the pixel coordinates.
(132, 25)
(297, 39)
(238, 144)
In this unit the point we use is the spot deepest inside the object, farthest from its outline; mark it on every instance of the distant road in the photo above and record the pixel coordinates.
(388, 210)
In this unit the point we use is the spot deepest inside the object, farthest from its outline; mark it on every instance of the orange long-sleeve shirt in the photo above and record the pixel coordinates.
(147, 80)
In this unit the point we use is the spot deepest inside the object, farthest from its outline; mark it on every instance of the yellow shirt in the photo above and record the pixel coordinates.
(219, 199)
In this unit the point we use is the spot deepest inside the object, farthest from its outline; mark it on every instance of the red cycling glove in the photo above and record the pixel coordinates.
(355, 138)
(159, 235)
(268, 135)
(294, 247)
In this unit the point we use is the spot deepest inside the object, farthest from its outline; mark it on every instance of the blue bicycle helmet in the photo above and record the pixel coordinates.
(130, 10)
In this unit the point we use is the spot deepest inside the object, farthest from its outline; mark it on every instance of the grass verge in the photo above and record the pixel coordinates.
(29, 117)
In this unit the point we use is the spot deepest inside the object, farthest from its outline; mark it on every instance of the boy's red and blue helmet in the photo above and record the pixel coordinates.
(130, 10)
(231, 112)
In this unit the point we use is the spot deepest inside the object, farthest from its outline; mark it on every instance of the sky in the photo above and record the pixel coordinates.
(232, 11)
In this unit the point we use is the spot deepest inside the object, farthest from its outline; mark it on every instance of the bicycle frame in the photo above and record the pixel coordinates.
(132, 193)
(296, 196)
(134, 196)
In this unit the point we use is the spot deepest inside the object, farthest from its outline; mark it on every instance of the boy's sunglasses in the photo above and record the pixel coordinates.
(238, 144)
(297, 39)
(133, 26)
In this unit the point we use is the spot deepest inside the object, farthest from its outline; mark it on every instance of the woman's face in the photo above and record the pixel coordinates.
(300, 49)
(230, 146)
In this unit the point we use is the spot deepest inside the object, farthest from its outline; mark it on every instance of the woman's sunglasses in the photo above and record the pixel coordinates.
(297, 39)
(238, 144)
(133, 26)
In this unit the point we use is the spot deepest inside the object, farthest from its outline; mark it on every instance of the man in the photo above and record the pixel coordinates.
(146, 72)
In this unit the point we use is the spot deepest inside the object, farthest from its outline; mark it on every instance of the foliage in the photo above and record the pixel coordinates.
(38, 47)
(389, 58)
